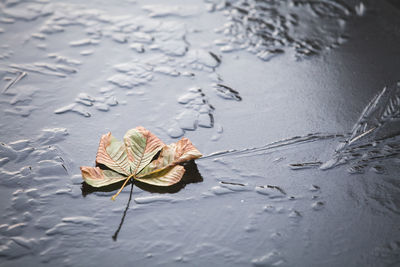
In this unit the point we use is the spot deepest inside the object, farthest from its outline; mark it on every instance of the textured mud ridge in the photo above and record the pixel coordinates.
(375, 137)
(197, 112)
(155, 48)
(374, 140)
(270, 28)
(41, 177)
(274, 145)
(37, 171)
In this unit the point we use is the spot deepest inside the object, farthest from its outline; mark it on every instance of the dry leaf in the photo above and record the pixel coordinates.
(118, 161)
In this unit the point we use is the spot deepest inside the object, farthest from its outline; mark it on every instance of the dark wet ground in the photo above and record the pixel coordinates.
(295, 105)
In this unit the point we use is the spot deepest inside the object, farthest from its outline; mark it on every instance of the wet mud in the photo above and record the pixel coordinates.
(294, 104)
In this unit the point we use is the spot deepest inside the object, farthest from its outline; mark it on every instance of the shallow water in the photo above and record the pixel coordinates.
(295, 105)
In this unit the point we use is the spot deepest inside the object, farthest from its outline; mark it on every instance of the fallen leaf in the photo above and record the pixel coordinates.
(170, 156)
(117, 161)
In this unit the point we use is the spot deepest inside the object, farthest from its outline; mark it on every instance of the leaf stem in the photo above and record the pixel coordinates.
(115, 236)
(122, 187)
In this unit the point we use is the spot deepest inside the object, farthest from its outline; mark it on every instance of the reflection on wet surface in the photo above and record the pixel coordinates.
(261, 195)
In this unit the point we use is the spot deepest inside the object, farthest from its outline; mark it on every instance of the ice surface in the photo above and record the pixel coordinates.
(295, 105)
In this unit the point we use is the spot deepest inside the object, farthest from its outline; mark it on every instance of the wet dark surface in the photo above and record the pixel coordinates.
(295, 105)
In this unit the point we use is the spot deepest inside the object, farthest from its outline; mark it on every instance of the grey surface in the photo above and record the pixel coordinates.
(306, 174)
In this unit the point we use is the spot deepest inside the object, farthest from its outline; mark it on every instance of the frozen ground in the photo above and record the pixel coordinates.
(294, 103)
